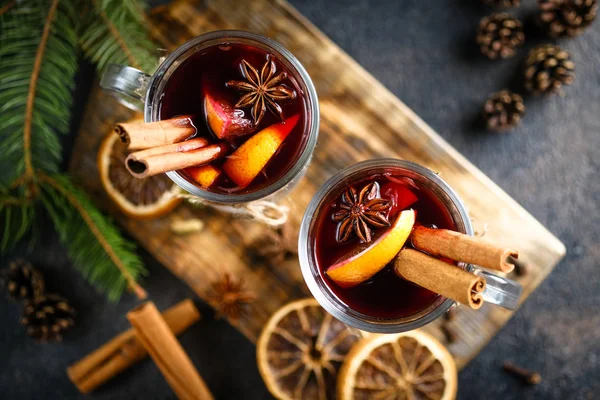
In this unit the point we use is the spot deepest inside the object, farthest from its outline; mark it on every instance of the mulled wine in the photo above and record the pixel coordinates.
(357, 224)
(246, 97)
(385, 295)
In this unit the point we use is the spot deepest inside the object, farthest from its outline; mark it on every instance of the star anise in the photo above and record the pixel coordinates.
(263, 89)
(229, 297)
(361, 212)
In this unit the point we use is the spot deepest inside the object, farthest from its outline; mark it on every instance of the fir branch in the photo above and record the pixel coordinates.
(116, 33)
(117, 36)
(38, 60)
(95, 245)
(35, 74)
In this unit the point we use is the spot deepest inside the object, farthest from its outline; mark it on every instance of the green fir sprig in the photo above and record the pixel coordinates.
(116, 33)
(40, 42)
(94, 244)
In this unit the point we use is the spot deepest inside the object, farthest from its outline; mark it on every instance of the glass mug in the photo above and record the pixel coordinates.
(140, 91)
(499, 290)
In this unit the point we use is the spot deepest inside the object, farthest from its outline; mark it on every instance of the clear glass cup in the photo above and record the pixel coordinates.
(499, 290)
(140, 91)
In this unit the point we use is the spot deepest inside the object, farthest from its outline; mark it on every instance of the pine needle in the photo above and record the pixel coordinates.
(95, 245)
(7, 6)
(16, 218)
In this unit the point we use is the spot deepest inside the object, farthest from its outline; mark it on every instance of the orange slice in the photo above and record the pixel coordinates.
(358, 268)
(244, 164)
(205, 175)
(300, 351)
(409, 365)
(139, 198)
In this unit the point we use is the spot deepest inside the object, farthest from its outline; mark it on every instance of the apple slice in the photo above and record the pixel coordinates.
(402, 197)
(246, 162)
(224, 120)
(205, 175)
(357, 268)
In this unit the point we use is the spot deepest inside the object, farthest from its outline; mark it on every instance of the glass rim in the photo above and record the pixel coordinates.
(312, 110)
(329, 301)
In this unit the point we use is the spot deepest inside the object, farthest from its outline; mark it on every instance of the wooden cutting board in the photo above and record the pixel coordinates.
(360, 120)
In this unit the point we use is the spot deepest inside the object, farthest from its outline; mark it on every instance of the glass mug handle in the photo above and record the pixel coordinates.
(127, 84)
(500, 291)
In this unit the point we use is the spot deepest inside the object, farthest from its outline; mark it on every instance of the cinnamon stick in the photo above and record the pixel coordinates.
(143, 164)
(461, 247)
(168, 355)
(181, 147)
(125, 350)
(440, 277)
(159, 133)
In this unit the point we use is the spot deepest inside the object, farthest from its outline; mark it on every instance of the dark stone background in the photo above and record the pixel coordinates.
(423, 51)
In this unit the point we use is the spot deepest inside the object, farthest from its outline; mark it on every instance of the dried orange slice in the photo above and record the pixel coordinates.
(300, 351)
(139, 198)
(409, 365)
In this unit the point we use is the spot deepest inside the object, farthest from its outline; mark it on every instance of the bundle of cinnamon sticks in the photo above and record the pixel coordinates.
(421, 268)
(152, 334)
(163, 146)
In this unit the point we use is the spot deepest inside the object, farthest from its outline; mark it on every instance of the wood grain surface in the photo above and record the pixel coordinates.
(360, 120)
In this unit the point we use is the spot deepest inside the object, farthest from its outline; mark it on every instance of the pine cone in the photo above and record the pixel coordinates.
(22, 281)
(566, 17)
(503, 110)
(547, 69)
(502, 3)
(48, 317)
(499, 34)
